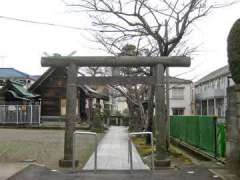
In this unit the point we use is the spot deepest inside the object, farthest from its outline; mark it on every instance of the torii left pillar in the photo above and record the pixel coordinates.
(70, 115)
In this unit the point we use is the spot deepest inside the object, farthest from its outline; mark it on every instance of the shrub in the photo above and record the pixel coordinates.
(234, 51)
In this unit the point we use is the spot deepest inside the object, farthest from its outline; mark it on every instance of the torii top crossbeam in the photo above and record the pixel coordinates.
(115, 61)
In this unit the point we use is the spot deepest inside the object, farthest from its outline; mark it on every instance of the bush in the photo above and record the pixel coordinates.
(234, 51)
(98, 123)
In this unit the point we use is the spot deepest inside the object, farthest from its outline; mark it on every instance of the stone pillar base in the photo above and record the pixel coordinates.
(162, 163)
(67, 163)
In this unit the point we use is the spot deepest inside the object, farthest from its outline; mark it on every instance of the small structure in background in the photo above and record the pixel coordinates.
(51, 86)
(180, 96)
(119, 105)
(18, 105)
(17, 76)
(14, 93)
(211, 93)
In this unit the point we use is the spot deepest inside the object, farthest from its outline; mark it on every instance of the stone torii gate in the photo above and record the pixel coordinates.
(159, 64)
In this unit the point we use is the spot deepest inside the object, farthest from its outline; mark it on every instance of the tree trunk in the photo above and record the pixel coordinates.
(150, 113)
(150, 110)
(135, 117)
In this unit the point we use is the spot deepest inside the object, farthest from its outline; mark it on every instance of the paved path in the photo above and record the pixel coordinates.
(113, 152)
(9, 169)
(34, 172)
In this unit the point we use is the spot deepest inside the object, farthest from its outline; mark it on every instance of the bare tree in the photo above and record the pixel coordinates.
(134, 94)
(162, 24)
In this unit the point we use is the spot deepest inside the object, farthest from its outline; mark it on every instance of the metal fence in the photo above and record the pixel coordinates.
(74, 147)
(202, 132)
(130, 156)
(20, 114)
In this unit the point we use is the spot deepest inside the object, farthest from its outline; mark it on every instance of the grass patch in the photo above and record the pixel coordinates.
(142, 148)
(177, 158)
(42, 146)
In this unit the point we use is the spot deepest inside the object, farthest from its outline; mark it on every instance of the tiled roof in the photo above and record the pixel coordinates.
(12, 73)
(178, 80)
(17, 90)
(21, 90)
(213, 75)
(85, 88)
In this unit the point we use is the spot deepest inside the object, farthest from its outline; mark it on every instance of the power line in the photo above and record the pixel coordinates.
(46, 23)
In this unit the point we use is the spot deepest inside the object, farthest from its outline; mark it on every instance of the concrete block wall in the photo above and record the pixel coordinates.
(233, 128)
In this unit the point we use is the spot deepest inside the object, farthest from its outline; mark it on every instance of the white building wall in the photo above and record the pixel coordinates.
(185, 102)
(215, 89)
(121, 104)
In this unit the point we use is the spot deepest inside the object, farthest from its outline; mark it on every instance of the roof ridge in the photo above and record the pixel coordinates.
(16, 70)
(204, 78)
(15, 82)
(42, 78)
(21, 72)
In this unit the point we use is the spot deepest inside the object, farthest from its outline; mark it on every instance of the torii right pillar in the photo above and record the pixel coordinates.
(160, 122)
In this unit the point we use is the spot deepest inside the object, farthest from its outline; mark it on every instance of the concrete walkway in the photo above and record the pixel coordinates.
(34, 172)
(113, 152)
(9, 169)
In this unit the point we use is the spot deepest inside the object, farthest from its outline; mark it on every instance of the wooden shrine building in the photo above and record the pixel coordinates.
(51, 86)
(14, 93)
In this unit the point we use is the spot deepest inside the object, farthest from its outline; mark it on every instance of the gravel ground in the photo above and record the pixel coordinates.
(41, 146)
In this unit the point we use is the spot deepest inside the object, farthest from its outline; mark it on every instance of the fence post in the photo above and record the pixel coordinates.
(6, 114)
(75, 133)
(17, 112)
(130, 152)
(152, 155)
(74, 152)
(130, 148)
(95, 154)
(31, 113)
(39, 113)
(215, 137)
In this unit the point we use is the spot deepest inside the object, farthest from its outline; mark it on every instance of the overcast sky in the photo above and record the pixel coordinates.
(22, 44)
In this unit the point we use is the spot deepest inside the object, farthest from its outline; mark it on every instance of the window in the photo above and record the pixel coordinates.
(178, 93)
(178, 111)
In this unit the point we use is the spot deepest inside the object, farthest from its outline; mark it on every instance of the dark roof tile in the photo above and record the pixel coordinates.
(12, 73)
(215, 74)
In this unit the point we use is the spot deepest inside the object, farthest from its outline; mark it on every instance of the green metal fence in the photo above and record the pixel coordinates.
(202, 132)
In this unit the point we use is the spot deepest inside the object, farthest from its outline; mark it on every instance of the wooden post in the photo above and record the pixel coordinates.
(90, 107)
(160, 123)
(70, 115)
